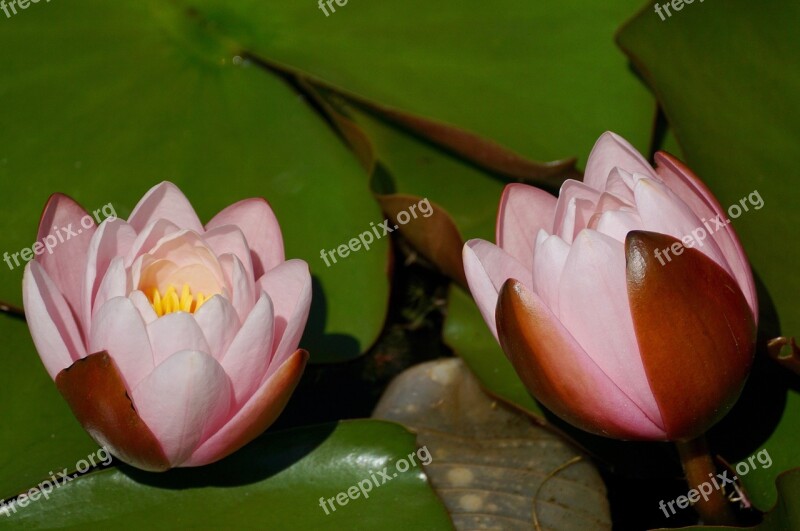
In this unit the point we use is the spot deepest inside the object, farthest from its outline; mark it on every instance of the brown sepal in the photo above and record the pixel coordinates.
(695, 330)
(95, 391)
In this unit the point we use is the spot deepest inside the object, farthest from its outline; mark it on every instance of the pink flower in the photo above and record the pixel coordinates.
(198, 325)
(601, 330)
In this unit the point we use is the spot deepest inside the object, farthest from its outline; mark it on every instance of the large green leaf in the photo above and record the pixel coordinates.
(103, 100)
(273, 483)
(39, 435)
(726, 80)
(542, 78)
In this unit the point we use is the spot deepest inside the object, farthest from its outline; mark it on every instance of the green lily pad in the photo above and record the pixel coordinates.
(274, 483)
(39, 436)
(107, 100)
(540, 78)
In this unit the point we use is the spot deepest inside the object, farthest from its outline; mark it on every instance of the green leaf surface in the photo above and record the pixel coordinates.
(542, 78)
(722, 75)
(108, 99)
(38, 435)
(273, 483)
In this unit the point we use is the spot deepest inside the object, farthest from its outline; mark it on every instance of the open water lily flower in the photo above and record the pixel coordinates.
(613, 316)
(196, 327)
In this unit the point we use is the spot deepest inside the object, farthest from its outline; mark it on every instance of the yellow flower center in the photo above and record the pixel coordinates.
(171, 302)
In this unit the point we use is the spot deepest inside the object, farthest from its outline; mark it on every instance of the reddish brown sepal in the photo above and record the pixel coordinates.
(695, 331)
(96, 393)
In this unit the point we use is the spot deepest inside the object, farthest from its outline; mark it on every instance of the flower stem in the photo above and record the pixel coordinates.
(699, 468)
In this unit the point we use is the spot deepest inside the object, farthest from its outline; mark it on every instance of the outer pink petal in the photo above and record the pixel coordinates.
(594, 308)
(229, 239)
(260, 226)
(556, 369)
(183, 401)
(696, 194)
(487, 267)
(175, 332)
(165, 201)
(113, 238)
(609, 152)
(248, 357)
(257, 415)
(289, 288)
(114, 284)
(219, 323)
(524, 210)
(548, 264)
(67, 261)
(53, 327)
(118, 329)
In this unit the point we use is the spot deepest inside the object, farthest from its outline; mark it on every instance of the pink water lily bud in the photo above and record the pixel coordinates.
(604, 328)
(175, 344)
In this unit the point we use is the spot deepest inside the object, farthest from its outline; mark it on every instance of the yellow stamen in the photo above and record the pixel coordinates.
(170, 302)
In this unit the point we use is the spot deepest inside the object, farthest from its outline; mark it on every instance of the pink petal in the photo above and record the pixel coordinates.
(248, 356)
(594, 308)
(114, 284)
(260, 226)
(184, 400)
(487, 267)
(229, 239)
(609, 152)
(149, 237)
(118, 329)
(165, 201)
(175, 332)
(620, 185)
(66, 262)
(662, 211)
(219, 323)
(113, 238)
(524, 210)
(53, 327)
(289, 288)
(559, 372)
(142, 304)
(241, 285)
(574, 208)
(257, 415)
(618, 223)
(701, 200)
(548, 264)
